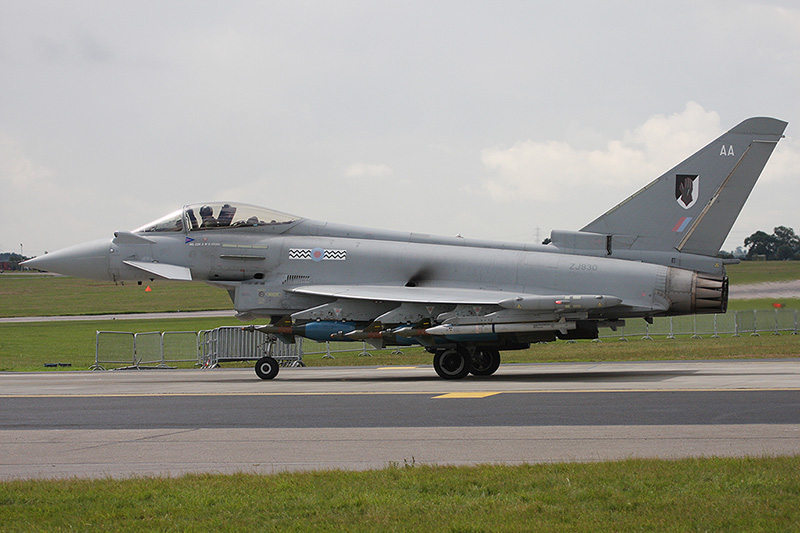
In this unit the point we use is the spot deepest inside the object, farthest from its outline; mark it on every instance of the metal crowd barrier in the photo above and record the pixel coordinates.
(154, 349)
(232, 343)
(736, 323)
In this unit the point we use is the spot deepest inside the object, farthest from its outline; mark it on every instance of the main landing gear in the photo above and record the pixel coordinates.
(449, 363)
(456, 363)
(267, 367)
(485, 361)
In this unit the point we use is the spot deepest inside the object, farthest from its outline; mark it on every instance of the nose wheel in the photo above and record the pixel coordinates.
(267, 367)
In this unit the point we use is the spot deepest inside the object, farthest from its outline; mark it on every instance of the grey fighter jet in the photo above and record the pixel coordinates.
(464, 300)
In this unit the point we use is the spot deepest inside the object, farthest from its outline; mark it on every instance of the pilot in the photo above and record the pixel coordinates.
(206, 213)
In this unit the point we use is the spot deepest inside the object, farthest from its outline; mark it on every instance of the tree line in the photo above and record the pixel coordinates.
(11, 261)
(781, 245)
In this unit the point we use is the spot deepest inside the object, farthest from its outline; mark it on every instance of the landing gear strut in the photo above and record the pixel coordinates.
(452, 363)
(267, 367)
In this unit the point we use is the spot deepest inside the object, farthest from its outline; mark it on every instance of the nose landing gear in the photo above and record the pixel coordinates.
(267, 367)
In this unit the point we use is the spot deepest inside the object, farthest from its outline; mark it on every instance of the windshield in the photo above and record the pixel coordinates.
(217, 215)
(171, 222)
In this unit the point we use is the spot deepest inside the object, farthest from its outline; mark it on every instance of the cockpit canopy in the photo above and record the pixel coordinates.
(201, 217)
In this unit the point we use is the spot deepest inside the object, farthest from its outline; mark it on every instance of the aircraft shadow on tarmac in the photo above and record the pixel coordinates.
(536, 377)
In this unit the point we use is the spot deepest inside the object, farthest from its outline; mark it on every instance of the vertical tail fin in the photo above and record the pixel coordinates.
(693, 206)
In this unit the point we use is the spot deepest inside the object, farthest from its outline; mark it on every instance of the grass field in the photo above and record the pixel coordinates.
(688, 495)
(45, 295)
(28, 346)
(763, 303)
(748, 272)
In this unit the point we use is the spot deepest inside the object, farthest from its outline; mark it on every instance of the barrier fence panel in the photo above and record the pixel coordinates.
(683, 325)
(764, 321)
(206, 346)
(659, 328)
(149, 350)
(233, 343)
(787, 320)
(114, 348)
(705, 325)
(288, 355)
(634, 329)
(179, 347)
(726, 324)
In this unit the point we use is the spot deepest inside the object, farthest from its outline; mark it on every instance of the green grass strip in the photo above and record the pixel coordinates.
(748, 272)
(59, 295)
(686, 495)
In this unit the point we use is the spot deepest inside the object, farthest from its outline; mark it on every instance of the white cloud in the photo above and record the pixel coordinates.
(30, 195)
(548, 170)
(784, 165)
(18, 173)
(48, 209)
(367, 170)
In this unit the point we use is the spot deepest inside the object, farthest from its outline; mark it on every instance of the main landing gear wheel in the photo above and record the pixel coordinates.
(453, 363)
(485, 361)
(267, 368)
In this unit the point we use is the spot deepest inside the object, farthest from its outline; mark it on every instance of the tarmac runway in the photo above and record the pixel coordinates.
(172, 422)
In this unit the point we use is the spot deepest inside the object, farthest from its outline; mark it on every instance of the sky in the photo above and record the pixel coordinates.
(498, 120)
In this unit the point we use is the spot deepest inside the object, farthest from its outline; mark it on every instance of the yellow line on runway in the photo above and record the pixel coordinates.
(467, 395)
(434, 394)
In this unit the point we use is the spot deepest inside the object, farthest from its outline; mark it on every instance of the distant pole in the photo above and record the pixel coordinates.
(20, 250)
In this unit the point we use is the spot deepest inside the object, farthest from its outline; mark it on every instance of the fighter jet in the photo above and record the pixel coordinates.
(464, 300)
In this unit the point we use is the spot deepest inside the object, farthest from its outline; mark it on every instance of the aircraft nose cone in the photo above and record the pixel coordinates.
(87, 260)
